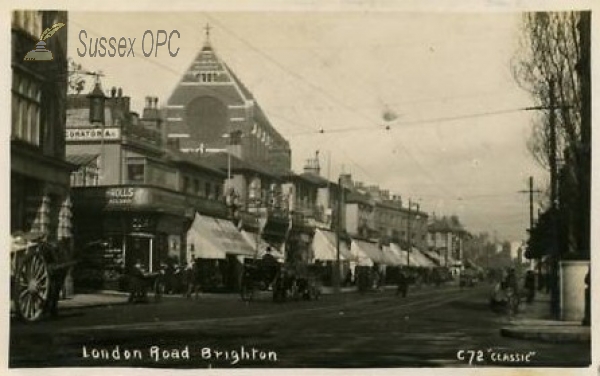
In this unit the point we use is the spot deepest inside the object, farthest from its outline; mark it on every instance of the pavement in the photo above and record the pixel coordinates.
(534, 322)
(110, 297)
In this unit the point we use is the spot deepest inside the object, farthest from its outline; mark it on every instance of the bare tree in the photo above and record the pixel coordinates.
(554, 53)
(76, 80)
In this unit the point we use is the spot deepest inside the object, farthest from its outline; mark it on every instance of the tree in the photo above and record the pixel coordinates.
(554, 54)
(76, 81)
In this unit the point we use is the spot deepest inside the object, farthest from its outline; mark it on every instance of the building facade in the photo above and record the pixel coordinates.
(446, 238)
(39, 171)
(211, 102)
(133, 198)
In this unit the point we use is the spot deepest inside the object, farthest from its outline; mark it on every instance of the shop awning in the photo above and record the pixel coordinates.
(251, 238)
(372, 252)
(422, 260)
(392, 257)
(325, 248)
(437, 259)
(403, 254)
(232, 241)
(202, 239)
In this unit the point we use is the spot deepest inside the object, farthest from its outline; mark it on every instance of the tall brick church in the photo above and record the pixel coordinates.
(209, 102)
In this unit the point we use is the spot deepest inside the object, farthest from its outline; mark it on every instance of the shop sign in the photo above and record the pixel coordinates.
(120, 196)
(92, 134)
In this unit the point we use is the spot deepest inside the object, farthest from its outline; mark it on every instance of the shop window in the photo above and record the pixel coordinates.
(26, 94)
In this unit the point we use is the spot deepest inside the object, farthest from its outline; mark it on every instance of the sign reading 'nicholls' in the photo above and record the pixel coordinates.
(88, 134)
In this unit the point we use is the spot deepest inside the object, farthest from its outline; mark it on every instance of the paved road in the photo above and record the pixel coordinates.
(428, 328)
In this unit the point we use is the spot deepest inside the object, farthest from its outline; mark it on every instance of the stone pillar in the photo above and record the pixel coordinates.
(572, 290)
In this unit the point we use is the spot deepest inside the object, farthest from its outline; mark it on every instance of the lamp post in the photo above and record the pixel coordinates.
(234, 138)
(97, 106)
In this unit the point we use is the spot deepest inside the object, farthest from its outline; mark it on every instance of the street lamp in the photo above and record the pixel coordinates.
(97, 106)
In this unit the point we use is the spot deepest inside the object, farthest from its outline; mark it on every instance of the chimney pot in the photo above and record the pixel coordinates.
(113, 92)
(119, 92)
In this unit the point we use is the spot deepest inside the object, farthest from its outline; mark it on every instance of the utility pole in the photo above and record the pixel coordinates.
(338, 228)
(531, 191)
(408, 233)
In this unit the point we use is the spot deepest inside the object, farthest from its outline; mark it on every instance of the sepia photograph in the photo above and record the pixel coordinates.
(300, 189)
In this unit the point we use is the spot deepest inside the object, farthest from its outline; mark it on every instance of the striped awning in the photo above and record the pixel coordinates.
(325, 248)
(202, 239)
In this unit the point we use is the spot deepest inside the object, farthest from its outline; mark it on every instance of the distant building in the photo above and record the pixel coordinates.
(446, 238)
(517, 251)
(209, 102)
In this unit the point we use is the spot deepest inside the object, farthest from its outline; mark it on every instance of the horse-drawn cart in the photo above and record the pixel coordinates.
(38, 271)
(286, 282)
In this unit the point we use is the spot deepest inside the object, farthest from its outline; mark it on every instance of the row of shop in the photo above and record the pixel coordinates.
(118, 227)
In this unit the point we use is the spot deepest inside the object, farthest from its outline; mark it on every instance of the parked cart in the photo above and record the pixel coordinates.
(38, 271)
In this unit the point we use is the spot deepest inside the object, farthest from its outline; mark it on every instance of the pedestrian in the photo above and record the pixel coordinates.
(137, 287)
(270, 268)
(348, 279)
(192, 273)
(529, 285)
(197, 277)
(402, 284)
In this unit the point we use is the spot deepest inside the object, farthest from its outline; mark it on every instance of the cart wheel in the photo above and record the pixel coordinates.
(32, 287)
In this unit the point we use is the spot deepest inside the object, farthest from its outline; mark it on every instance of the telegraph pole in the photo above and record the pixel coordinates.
(338, 228)
(408, 234)
(531, 191)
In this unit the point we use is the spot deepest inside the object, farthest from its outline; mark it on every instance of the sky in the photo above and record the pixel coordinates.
(457, 144)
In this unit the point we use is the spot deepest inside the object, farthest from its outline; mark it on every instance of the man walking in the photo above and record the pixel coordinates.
(402, 283)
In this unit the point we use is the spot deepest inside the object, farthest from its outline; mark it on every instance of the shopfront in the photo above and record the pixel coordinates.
(117, 227)
(221, 250)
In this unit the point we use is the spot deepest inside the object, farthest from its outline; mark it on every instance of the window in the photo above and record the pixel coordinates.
(29, 21)
(196, 186)
(86, 175)
(186, 184)
(217, 191)
(135, 169)
(209, 77)
(26, 95)
(207, 189)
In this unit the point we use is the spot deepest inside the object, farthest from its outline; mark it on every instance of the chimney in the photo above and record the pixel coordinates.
(312, 165)
(150, 111)
(346, 180)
